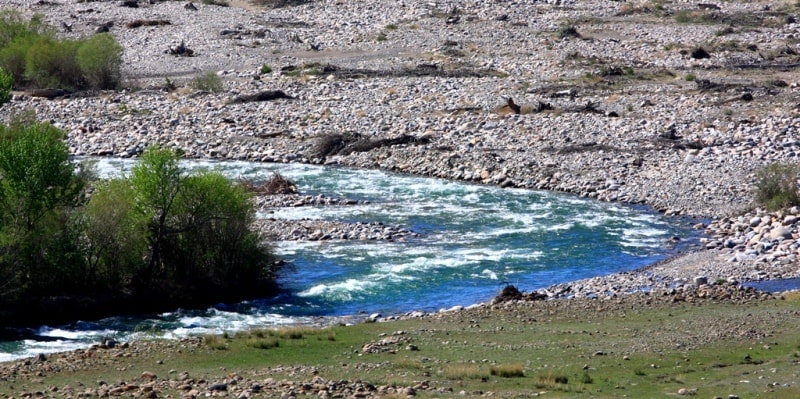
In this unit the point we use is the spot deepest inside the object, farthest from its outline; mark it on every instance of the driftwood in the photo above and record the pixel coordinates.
(47, 93)
(147, 22)
(268, 95)
(345, 144)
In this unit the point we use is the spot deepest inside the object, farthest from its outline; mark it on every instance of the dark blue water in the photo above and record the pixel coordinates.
(474, 240)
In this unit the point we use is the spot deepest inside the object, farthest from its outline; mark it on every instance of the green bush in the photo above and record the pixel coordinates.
(100, 60)
(52, 63)
(6, 82)
(208, 81)
(265, 69)
(776, 186)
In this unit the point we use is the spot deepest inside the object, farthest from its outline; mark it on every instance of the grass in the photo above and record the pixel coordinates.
(514, 352)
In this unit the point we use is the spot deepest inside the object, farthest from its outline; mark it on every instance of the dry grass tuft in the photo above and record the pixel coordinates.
(508, 370)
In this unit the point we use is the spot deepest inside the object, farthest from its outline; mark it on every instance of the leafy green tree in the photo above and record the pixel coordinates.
(39, 190)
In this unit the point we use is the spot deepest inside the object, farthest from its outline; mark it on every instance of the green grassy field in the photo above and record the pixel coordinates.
(592, 349)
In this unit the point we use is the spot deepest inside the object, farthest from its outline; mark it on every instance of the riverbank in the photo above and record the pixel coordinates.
(615, 102)
(680, 343)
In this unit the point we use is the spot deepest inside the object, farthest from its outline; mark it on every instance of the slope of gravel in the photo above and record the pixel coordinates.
(618, 111)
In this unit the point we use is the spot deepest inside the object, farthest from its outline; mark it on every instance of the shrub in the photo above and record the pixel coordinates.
(690, 77)
(6, 82)
(776, 186)
(265, 69)
(208, 81)
(100, 60)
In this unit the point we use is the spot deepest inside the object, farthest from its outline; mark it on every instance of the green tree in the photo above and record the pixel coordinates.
(39, 191)
(176, 234)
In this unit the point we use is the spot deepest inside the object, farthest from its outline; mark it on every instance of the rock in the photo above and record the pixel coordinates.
(148, 375)
(700, 53)
(700, 280)
(780, 233)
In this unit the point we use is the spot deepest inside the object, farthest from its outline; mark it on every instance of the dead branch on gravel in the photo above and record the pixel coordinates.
(348, 143)
(420, 70)
(267, 95)
(147, 22)
(280, 3)
(277, 185)
(582, 147)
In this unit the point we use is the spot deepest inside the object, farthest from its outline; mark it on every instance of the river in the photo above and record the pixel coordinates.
(474, 240)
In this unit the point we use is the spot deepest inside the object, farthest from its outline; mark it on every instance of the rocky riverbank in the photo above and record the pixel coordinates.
(613, 101)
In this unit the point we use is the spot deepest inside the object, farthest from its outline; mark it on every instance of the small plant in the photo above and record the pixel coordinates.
(628, 71)
(690, 77)
(265, 69)
(208, 81)
(508, 370)
(220, 3)
(587, 379)
(391, 27)
(776, 186)
(629, 107)
(683, 17)
(6, 82)
(381, 37)
(169, 85)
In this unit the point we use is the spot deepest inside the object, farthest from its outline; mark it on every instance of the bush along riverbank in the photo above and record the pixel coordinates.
(74, 247)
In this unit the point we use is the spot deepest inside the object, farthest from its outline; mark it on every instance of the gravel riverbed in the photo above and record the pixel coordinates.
(615, 102)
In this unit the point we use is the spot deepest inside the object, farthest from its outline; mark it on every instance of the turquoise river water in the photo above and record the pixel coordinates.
(474, 240)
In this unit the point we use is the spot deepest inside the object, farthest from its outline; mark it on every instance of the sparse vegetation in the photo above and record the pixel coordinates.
(208, 81)
(690, 77)
(776, 186)
(265, 69)
(381, 37)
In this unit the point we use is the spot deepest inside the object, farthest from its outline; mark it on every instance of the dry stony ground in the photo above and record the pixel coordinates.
(617, 101)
